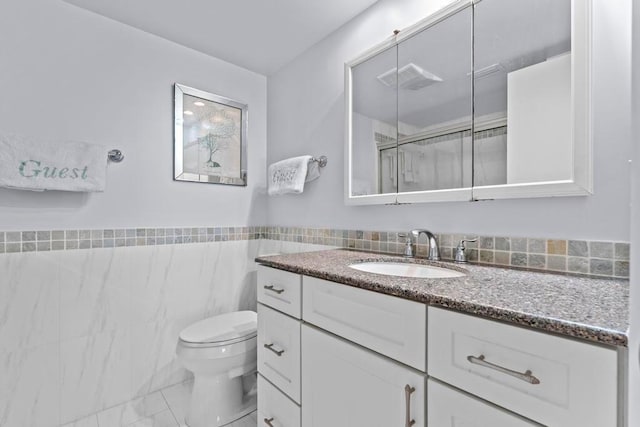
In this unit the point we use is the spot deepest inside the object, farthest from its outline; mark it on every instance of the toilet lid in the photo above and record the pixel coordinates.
(222, 328)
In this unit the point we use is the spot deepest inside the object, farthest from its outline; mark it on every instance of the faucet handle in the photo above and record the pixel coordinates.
(460, 256)
(408, 246)
(461, 244)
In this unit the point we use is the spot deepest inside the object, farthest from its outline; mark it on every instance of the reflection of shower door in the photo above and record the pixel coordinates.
(436, 163)
(490, 157)
(444, 162)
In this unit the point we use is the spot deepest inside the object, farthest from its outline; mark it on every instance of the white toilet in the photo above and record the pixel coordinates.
(221, 353)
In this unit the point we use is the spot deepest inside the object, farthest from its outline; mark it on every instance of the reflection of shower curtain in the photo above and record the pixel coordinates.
(433, 164)
(490, 160)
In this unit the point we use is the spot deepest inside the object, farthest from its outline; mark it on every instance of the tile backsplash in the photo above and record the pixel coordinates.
(597, 258)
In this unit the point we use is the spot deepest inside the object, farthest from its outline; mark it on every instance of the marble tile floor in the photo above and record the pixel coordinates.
(163, 408)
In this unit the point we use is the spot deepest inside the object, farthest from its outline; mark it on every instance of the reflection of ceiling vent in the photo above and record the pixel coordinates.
(411, 77)
(489, 70)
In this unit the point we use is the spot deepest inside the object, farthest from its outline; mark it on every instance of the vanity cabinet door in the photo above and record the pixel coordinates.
(344, 385)
(394, 327)
(450, 408)
(274, 407)
(552, 380)
(280, 290)
(279, 350)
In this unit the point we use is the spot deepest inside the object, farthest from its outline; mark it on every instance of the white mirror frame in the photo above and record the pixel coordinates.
(369, 199)
(581, 183)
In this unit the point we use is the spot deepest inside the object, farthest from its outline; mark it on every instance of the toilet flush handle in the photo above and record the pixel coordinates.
(268, 421)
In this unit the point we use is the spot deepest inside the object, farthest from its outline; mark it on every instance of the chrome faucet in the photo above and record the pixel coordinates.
(434, 252)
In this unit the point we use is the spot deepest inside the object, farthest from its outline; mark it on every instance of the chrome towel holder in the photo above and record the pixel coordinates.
(115, 156)
(322, 160)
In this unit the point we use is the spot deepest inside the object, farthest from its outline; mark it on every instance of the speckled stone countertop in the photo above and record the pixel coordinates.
(592, 309)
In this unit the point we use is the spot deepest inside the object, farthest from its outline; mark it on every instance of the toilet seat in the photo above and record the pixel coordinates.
(221, 330)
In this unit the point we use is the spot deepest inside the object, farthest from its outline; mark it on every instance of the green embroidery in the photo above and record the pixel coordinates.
(33, 169)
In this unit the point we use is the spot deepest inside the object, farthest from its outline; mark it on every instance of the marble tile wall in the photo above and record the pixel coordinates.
(85, 330)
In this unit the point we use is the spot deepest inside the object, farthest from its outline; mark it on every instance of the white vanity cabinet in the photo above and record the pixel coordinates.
(278, 344)
(552, 380)
(345, 385)
(452, 408)
(349, 357)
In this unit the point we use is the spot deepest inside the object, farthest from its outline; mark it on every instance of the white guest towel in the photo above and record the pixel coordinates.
(29, 164)
(289, 175)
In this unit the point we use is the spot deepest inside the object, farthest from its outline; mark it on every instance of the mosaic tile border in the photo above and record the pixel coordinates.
(593, 258)
(55, 240)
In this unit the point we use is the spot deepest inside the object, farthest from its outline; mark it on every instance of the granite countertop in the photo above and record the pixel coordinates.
(592, 309)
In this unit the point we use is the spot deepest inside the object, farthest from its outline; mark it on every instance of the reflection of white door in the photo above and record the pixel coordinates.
(344, 385)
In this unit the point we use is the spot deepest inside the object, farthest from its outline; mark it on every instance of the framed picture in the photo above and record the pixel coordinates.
(210, 142)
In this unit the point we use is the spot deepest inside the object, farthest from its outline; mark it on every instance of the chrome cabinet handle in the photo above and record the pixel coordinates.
(270, 347)
(407, 397)
(524, 376)
(273, 289)
(267, 421)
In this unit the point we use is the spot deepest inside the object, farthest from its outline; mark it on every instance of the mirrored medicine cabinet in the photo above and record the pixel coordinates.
(485, 99)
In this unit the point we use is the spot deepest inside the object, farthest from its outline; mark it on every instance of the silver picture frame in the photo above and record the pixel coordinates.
(210, 138)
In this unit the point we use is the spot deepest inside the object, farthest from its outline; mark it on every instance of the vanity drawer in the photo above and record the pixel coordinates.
(280, 290)
(274, 408)
(279, 350)
(552, 380)
(392, 326)
(451, 408)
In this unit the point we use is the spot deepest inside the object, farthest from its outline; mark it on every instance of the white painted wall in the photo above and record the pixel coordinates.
(306, 115)
(67, 73)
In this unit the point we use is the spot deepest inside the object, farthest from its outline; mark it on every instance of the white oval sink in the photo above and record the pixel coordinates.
(407, 270)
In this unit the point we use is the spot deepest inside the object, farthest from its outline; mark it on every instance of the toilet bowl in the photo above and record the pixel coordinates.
(221, 353)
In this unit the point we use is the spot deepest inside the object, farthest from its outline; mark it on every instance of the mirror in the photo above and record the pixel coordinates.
(522, 86)
(374, 120)
(435, 110)
(488, 103)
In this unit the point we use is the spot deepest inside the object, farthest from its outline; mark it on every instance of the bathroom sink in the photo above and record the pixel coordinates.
(406, 269)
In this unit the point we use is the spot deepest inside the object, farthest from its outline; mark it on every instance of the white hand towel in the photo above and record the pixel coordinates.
(407, 165)
(313, 171)
(29, 164)
(288, 176)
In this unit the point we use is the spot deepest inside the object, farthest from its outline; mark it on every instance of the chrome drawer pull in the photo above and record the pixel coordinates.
(273, 289)
(407, 397)
(270, 347)
(267, 421)
(526, 376)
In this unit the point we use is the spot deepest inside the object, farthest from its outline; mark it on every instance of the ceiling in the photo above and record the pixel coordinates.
(260, 35)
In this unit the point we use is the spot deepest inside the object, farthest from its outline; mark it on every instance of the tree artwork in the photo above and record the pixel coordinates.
(217, 139)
